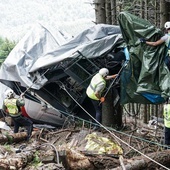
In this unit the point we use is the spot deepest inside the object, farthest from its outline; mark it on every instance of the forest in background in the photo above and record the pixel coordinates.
(157, 13)
(17, 17)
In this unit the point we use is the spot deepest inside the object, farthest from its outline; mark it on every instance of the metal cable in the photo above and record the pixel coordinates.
(116, 137)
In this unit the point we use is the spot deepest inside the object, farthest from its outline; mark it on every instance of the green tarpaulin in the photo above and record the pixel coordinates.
(146, 79)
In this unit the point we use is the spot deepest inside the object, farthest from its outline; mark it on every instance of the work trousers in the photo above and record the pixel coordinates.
(98, 109)
(21, 121)
(167, 136)
(167, 62)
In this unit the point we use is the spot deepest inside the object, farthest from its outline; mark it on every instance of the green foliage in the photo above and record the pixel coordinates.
(9, 137)
(1, 41)
(36, 161)
(7, 148)
(6, 47)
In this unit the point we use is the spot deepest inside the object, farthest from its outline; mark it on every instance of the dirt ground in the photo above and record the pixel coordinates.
(63, 148)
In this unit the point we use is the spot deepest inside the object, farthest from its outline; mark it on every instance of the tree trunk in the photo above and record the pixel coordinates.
(111, 112)
(108, 111)
(100, 11)
(10, 138)
(139, 163)
(163, 13)
(108, 12)
(146, 10)
(16, 137)
(113, 12)
(77, 161)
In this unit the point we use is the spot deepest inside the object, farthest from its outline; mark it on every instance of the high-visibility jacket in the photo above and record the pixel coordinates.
(97, 83)
(11, 106)
(166, 113)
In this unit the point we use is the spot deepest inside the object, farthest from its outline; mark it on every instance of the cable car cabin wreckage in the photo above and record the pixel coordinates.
(54, 76)
(67, 83)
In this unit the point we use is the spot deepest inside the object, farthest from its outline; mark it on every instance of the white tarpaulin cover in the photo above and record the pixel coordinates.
(39, 50)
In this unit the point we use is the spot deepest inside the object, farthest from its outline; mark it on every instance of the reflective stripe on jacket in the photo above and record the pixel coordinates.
(96, 81)
(11, 107)
(166, 114)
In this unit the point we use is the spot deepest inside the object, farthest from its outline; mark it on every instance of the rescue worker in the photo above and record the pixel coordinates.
(95, 89)
(165, 39)
(12, 107)
(166, 113)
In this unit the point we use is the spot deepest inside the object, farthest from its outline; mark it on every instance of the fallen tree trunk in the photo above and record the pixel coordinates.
(140, 162)
(76, 160)
(11, 138)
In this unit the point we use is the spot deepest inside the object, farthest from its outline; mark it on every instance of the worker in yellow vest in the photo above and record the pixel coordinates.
(95, 89)
(12, 107)
(166, 113)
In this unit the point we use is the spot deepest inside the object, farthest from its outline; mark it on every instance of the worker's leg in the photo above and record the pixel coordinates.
(167, 136)
(98, 109)
(29, 127)
(16, 125)
(26, 122)
(167, 62)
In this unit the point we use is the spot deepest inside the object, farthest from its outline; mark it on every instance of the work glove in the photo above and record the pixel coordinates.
(102, 99)
(142, 40)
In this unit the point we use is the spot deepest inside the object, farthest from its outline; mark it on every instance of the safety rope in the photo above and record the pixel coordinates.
(115, 79)
(116, 137)
(89, 122)
(19, 92)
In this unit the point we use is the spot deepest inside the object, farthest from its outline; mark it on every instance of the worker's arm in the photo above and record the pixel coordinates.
(98, 92)
(102, 99)
(97, 95)
(156, 43)
(20, 102)
(111, 77)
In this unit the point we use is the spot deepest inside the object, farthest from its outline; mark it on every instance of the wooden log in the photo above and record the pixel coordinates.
(76, 160)
(15, 137)
(141, 162)
(10, 138)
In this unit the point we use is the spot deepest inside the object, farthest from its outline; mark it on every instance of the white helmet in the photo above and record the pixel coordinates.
(9, 93)
(103, 72)
(167, 25)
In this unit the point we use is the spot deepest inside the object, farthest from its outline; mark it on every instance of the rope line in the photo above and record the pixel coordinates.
(116, 137)
(139, 138)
